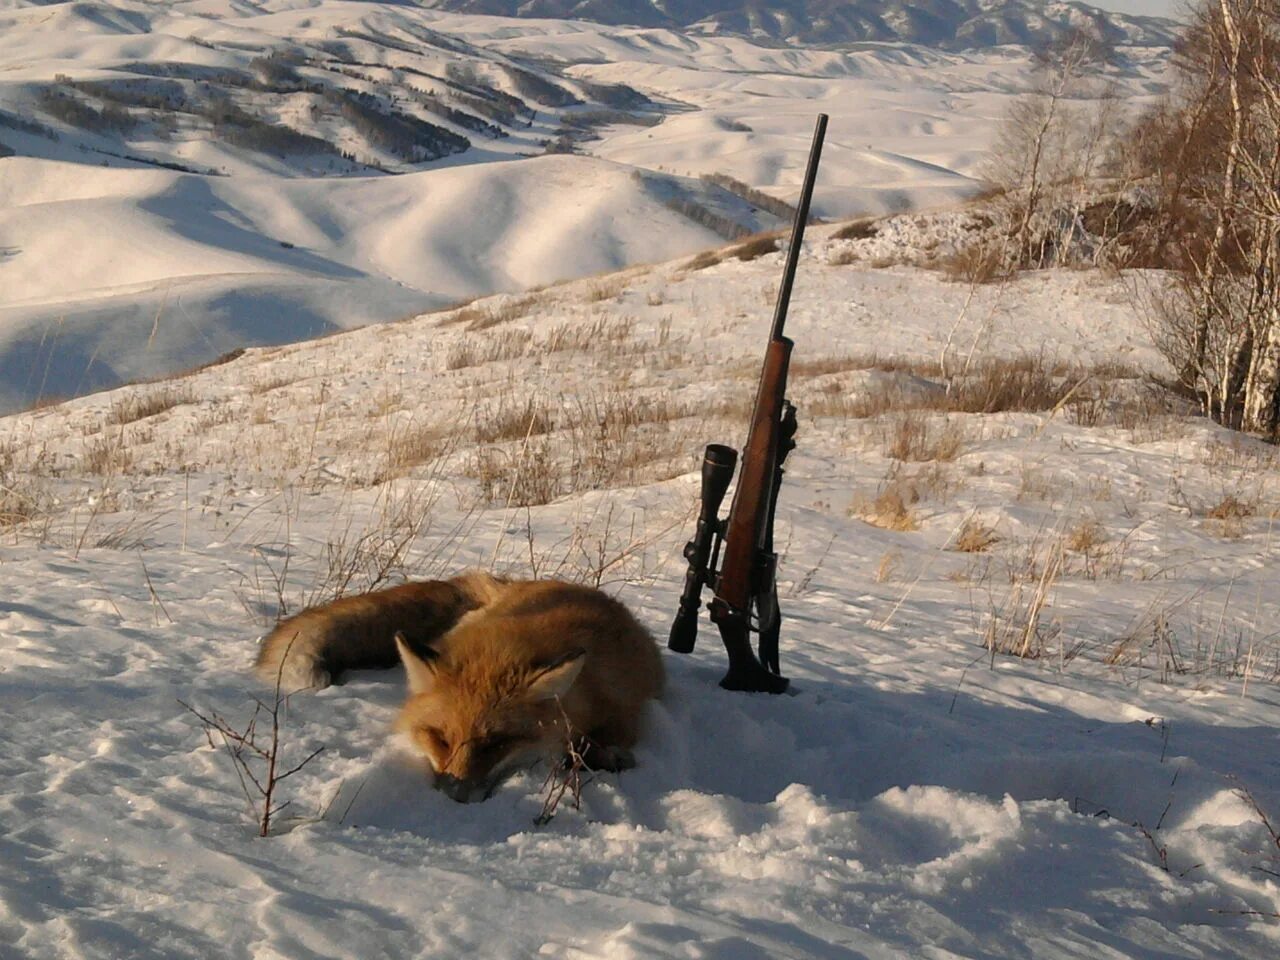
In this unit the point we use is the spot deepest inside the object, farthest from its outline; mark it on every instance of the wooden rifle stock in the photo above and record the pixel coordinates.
(745, 585)
(744, 533)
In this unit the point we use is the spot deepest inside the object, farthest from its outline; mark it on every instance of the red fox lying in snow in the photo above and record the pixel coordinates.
(496, 670)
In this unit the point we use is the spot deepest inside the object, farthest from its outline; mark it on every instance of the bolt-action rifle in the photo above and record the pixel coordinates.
(745, 584)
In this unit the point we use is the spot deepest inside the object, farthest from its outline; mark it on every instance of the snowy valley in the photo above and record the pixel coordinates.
(1028, 593)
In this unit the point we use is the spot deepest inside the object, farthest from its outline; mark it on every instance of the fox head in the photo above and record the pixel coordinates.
(478, 718)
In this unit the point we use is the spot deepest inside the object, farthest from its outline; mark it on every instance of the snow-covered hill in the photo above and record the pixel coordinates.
(118, 274)
(184, 179)
(921, 795)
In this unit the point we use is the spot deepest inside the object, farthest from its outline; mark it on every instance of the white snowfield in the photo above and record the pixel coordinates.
(113, 270)
(915, 797)
(116, 275)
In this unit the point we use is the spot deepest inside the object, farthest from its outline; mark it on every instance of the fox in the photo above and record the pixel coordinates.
(501, 673)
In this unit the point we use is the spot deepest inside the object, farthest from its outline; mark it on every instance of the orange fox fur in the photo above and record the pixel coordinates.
(501, 673)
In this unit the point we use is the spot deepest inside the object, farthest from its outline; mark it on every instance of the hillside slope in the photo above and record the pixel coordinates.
(110, 275)
(924, 792)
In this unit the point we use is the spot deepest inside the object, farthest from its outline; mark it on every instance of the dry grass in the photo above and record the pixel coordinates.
(890, 509)
(483, 316)
(1231, 507)
(474, 351)
(605, 289)
(23, 498)
(599, 441)
(754, 247)
(415, 444)
(976, 263)
(750, 248)
(271, 382)
(1229, 514)
(975, 536)
(601, 334)
(139, 406)
(1037, 483)
(106, 454)
(1018, 625)
(1031, 383)
(1086, 536)
(514, 421)
(913, 436)
(864, 228)
(822, 366)
(889, 566)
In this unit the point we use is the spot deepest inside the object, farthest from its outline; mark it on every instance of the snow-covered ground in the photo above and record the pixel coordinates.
(917, 796)
(114, 269)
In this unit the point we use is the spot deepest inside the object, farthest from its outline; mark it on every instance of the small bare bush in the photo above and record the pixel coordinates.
(257, 754)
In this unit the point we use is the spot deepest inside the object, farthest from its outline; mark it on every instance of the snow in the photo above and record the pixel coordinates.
(133, 272)
(915, 796)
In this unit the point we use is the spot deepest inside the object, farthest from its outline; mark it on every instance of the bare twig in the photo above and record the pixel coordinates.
(255, 763)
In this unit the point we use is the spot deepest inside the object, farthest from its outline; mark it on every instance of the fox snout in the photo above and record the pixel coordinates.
(464, 791)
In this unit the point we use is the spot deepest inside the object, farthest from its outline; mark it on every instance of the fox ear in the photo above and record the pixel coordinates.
(556, 677)
(419, 663)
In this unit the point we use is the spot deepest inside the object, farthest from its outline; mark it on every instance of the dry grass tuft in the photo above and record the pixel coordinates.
(891, 507)
(913, 437)
(864, 228)
(415, 444)
(1018, 627)
(477, 316)
(1231, 507)
(754, 247)
(749, 249)
(602, 333)
(514, 422)
(139, 406)
(975, 537)
(473, 351)
(608, 289)
(976, 263)
(1087, 536)
(106, 455)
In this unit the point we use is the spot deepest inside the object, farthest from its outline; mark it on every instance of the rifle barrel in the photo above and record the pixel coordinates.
(797, 228)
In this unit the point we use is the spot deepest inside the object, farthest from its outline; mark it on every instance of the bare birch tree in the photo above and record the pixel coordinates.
(1215, 152)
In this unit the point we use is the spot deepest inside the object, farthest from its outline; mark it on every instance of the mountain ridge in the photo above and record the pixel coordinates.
(945, 24)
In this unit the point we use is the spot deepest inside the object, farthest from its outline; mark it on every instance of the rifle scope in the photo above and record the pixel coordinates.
(717, 471)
